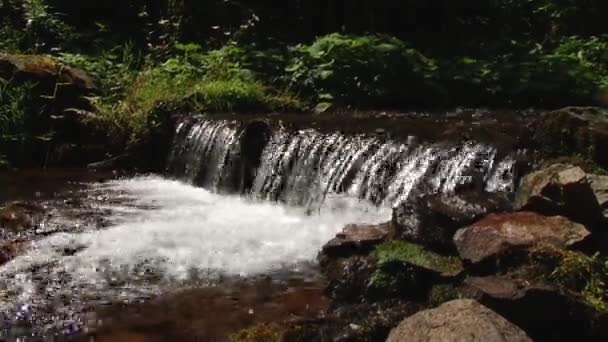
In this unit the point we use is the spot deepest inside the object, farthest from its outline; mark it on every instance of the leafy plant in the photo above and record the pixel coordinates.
(366, 70)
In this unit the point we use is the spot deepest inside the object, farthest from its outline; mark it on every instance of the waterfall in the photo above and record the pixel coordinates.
(303, 167)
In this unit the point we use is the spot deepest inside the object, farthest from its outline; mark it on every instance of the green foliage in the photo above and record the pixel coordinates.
(16, 107)
(362, 70)
(575, 271)
(33, 25)
(213, 81)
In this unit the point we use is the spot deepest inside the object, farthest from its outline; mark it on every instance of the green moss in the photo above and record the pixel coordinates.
(443, 293)
(259, 333)
(416, 255)
(574, 271)
(401, 269)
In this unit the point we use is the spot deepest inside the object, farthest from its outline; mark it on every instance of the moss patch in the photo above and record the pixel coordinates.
(408, 269)
(574, 271)
(265, 332)
(416, 255)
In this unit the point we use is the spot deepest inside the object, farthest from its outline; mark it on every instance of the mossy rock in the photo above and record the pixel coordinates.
(416, 255)
(573, 271)
(42, 68)
(407, 269)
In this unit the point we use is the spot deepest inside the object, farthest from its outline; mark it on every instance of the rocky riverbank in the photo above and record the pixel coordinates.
(475, 268)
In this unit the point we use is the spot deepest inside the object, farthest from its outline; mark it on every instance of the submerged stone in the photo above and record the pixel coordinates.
(20, 216)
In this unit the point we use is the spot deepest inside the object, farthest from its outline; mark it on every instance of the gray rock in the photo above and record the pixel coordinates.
(560, 189)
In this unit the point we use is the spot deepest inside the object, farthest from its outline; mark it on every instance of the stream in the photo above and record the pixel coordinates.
(227, 236)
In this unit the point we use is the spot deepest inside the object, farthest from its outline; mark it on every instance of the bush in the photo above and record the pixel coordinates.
(215, 81)
(367, 70)
(538, 79)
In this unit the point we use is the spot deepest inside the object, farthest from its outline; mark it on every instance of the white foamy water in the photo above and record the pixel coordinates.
(171, 232)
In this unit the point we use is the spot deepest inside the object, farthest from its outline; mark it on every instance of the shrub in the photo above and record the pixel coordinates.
(537, 79)
(367, 70)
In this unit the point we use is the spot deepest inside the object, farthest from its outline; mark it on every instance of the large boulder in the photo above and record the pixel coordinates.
(560, 189)
(432, 220)
(545, 312)
(462, 320)
(574, 130)
(498, 234)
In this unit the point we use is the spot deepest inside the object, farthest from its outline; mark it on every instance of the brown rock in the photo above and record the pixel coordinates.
(357, 239)
(432, 220)
(498, 233)
(44, 68)
(459, 320)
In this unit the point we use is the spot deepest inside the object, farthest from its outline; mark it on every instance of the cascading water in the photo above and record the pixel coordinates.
(162, 235)
(303, 167)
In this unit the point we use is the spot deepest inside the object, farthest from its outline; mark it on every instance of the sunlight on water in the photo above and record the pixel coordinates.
(173, 231)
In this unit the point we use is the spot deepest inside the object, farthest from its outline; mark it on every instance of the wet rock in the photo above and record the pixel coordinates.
(354, 322)
(20, 216)
(559, 189)
(395, 269)
(253, 140)
(497, 234)
(357, 239)
(433, 220)
(348, 279)
(542, 310)
(458, 320)
(574, 130)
